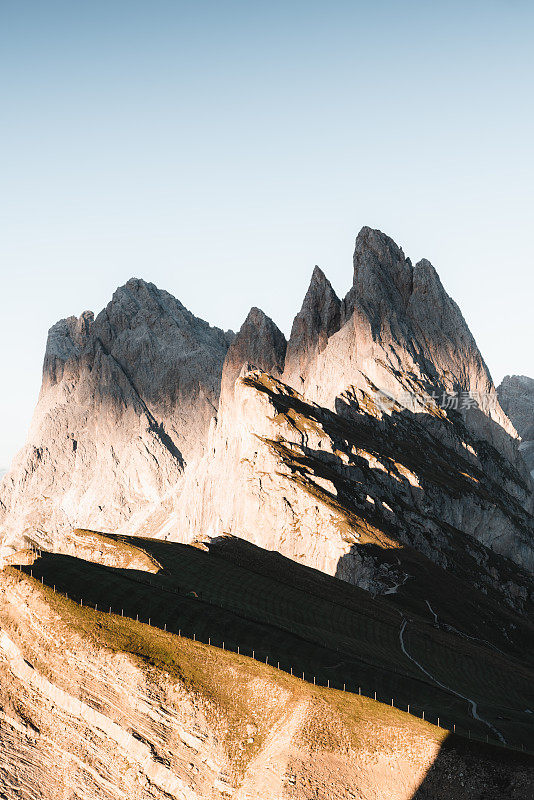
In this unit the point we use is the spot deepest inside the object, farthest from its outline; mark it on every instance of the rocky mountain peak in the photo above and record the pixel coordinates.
(380, 268)
(320, 293)
(66, 341)
(134, 391)
(318, 318)
(126, 400)
(259, 343)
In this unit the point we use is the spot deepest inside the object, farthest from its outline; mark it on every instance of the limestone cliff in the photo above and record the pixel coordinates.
(382, 367)
(516, 395)
(145, 424)
(401, 331)
(371, 446)
(125, 404)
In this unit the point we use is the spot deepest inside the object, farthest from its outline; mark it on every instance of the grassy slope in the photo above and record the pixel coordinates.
(313, 623)
(222, 680)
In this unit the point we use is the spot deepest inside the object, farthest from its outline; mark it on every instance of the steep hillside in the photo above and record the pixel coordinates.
(106, 707)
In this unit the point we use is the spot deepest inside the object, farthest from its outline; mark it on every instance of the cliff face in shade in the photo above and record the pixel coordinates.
(125, 404)
(318, 319)
(516, 395)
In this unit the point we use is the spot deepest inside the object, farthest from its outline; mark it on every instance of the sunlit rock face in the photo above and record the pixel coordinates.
(151, 421)
(398, 332)
(318, 319)
(334, 449)
(277, 473)
(335, 490)
(125, 404)
(516, 395)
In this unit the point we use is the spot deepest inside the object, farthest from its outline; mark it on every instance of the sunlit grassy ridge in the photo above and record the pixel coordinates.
(307, 622)
(229, 685)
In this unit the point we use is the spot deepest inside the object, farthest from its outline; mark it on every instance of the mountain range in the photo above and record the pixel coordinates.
(370, 455)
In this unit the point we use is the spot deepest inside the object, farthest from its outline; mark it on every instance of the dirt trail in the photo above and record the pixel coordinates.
(472, 703)
(265, 775)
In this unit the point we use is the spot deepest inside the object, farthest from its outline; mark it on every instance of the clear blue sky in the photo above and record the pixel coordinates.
(221, 149)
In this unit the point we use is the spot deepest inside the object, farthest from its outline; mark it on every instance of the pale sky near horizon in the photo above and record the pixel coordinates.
(221, 149)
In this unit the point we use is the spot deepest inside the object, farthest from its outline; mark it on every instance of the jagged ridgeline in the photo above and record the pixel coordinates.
(371, 452)
(146, 423)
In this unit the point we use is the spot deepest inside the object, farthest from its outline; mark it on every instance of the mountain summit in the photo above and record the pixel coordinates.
(147, 419)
